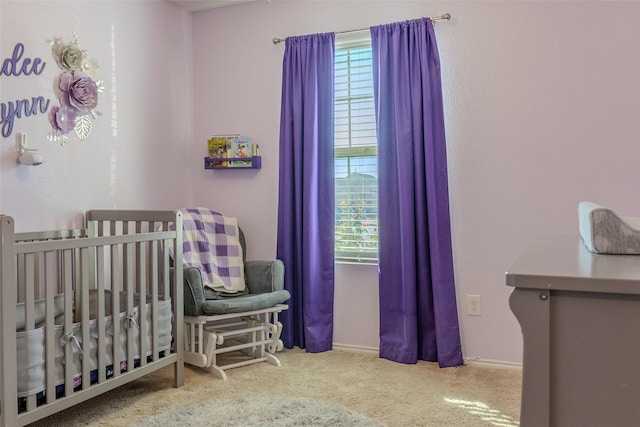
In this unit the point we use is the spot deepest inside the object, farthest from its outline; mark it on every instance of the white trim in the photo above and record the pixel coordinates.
(355, 348)
(471, 361)
(352, 262)
(490, 363)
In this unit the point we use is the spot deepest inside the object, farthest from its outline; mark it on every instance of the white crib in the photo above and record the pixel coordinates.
(85, 311)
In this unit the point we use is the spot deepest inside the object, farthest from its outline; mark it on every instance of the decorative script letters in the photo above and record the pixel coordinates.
(15, 66)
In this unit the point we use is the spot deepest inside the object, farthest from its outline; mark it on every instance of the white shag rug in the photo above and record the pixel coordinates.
(262, 412)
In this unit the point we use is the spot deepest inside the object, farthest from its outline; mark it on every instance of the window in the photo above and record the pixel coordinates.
(356, 153)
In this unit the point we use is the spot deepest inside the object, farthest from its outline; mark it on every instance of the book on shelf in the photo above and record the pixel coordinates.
(241, 148)
(219, 147)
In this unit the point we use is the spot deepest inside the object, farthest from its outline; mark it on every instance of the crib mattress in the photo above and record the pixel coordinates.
(603, 231)
(31, 345)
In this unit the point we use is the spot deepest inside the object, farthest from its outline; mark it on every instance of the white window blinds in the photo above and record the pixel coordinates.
(356, 161)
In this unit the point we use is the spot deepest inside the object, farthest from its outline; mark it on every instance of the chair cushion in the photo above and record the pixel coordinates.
(245, 303)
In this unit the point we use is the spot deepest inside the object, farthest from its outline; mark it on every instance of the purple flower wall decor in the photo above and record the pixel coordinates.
(76, 90)
(63, 119)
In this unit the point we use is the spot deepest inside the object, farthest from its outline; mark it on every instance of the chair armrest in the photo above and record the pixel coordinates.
(264, 276)
(193, 292)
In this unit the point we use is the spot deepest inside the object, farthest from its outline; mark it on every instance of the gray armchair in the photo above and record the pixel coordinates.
(265, 288)
(226, 330)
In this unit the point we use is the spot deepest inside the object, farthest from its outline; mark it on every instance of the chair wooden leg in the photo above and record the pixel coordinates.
(256, 334)
(272, 360)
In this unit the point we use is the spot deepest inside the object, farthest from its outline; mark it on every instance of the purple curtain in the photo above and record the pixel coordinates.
(418, 313)
(305, 200)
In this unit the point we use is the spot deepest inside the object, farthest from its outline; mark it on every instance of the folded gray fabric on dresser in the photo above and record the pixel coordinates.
(603, 231)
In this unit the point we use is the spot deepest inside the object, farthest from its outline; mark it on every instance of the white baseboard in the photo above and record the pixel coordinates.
(355, 348)
(471, 361)
(488, 363)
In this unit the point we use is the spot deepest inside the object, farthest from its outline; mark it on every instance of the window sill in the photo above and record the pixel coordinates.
(354, 262)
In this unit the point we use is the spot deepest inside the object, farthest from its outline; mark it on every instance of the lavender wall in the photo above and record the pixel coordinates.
(135, 157)
(541, 101)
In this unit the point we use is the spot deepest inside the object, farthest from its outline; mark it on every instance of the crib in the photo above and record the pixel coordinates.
(87, 310)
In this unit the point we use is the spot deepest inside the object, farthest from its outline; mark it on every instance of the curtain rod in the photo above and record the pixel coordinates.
(445, 17)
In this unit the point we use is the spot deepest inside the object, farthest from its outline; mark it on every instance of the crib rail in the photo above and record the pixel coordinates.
(92, 289)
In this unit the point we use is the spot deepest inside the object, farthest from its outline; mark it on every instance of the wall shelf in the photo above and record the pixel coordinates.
(254, 162)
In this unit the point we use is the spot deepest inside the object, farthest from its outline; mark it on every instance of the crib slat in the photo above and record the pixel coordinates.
(115, 309)
(178, 297)
(21, 269)
(128, 264)
(29, 298)
(92, 266)
(85, 313)
(76, 277)
(154, 299)
(151, 228)
(127, 276)
(102, 364)
(67, 273)
(166, 272)
(50, 363)
(31, 402)
(29, 303)
(142, 279)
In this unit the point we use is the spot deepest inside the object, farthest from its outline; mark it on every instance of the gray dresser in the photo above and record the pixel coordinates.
(580, 319)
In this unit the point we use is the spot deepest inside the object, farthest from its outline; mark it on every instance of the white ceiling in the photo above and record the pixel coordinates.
(196, 6)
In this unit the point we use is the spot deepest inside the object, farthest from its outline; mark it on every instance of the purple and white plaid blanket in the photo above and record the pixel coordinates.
(211, 243)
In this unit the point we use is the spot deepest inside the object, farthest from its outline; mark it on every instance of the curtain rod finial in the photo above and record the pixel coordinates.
(446, 16)
(276, 40)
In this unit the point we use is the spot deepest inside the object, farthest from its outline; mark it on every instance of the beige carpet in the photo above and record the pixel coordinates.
(399, 395)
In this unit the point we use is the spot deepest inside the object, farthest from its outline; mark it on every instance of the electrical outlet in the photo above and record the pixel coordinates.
(474, 308)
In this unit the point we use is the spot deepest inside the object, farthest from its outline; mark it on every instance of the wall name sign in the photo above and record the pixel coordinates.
(16, 66)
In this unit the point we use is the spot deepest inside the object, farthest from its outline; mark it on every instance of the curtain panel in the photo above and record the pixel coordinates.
(305, 200)
(418, 312)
